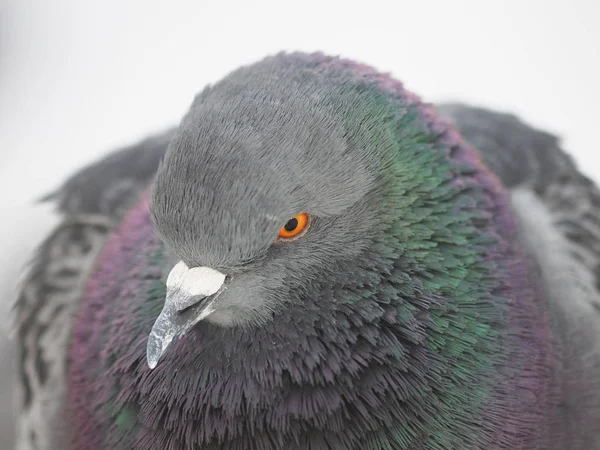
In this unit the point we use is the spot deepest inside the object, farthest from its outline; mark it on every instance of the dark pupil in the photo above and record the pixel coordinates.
(291, 225)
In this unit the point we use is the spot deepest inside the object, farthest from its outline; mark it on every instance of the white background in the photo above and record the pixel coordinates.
(79, 77)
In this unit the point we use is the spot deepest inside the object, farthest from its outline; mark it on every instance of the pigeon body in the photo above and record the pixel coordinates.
(418, 310)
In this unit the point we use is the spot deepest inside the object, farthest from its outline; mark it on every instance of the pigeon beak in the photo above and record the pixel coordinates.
(191, 294)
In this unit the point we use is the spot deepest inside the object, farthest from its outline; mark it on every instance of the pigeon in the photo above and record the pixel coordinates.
(313, 259)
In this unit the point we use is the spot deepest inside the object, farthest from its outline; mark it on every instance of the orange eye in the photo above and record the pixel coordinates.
(294, 226)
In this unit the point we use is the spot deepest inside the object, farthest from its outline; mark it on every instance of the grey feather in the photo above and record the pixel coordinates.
(559, 212)
(517, 153)
(557, 205)
(101, 187)
(91, 203)
(7, 369)
(31, 226)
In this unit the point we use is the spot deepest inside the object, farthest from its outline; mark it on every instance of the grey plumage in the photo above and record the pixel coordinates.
(558, 208)
(106, 186)
(27, 228)
(90, 203)
(291, 141)
(559, 212)
(7, 374)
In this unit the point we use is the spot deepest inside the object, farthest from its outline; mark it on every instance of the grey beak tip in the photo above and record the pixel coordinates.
(153, 352)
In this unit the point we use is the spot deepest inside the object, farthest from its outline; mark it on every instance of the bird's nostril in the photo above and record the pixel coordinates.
(194, 303)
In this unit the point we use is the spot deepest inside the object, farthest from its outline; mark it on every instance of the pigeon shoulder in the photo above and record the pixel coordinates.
(106, 186)
(559, 212)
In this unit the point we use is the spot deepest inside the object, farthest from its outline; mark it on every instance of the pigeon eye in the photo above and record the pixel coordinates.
(294, 226)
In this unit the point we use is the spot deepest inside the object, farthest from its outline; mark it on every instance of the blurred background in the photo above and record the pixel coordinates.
(79, 78)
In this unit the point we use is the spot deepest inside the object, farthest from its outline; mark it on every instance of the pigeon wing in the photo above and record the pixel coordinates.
(559, 213)
(90, 204)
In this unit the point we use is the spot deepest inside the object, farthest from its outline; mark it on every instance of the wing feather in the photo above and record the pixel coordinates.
(90, 203)
(559, 212)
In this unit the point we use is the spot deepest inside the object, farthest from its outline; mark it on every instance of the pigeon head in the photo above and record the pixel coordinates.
(273, 178)
(341, 270)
